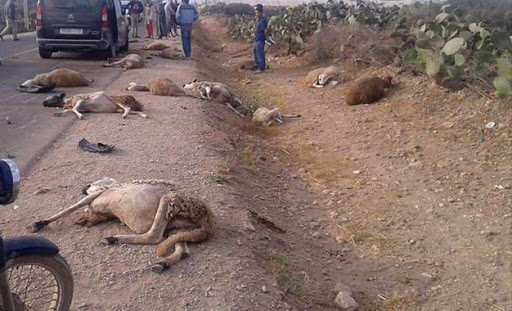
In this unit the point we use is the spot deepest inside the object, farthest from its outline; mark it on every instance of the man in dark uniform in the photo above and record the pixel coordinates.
(259, 39)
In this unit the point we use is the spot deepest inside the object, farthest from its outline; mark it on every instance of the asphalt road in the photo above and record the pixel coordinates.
(34, 128)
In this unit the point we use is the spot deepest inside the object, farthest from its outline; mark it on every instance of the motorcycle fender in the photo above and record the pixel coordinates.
(29, 246)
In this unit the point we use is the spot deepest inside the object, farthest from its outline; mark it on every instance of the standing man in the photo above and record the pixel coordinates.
(135, 7)
(186, 15)
(148, 18)
(10, 18)
(162, 22)
(169, 17)
(259, 39)
(156, 19)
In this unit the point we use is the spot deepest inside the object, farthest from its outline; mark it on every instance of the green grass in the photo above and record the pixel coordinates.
(219, 179)
(279, 266)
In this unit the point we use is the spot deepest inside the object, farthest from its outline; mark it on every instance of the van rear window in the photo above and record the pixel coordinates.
(78, 5)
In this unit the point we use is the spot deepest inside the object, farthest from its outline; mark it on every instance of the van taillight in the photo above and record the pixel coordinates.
(104, 17)
(39, 19)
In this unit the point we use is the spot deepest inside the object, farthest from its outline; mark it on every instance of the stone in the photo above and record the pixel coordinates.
(249, 227)
(314, 225)
(490, 125)
(41, 191)
(345, 301)
(426, 275)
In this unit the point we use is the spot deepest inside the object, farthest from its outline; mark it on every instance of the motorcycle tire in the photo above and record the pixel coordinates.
(58, 268)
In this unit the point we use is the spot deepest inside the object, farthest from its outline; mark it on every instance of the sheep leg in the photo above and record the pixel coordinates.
(208, 92)
(60, 113)
(83, 202)
(155, 234)
(139, 114)
(317, 83)
(234, 110)
(181, 251)
(195, 235)
(76, 107)
(203, 95)
(126, 109)
(121, 62)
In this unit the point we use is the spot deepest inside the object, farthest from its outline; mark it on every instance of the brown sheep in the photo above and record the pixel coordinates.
(153, 209)
(61, 77)
(367, 91)
(158, 86)
(156, 46)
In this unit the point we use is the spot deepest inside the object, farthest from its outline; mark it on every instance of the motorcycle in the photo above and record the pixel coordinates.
(33, 275)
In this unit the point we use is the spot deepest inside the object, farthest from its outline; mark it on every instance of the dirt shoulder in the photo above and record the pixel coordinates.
(406, 202)
(185, 141)
(415, 190)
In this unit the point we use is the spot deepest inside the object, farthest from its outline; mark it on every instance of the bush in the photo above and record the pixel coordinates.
(239, 9)
(495, 13)
(349, 43)
(216, 8)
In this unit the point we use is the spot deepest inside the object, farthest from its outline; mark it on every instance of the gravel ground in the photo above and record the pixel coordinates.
(181, 142)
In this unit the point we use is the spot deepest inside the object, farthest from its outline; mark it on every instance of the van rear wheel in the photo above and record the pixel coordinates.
(45, 53)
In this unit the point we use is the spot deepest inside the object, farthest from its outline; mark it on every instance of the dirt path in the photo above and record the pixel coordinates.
(406, 202)
(415, 190)
(255, 261)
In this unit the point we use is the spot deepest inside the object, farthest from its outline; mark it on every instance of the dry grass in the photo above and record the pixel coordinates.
(227, 166)
(328, 171)
(204, 41)
(253, 98)
(299, 285)
(349, 43)
(354, 235)
(405, 303)
(248, 157)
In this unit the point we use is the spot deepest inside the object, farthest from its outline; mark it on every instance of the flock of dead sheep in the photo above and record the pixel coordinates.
(155, 210)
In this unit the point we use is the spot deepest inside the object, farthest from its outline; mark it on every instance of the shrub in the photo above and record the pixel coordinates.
(495, 13)
(349, 43)
(239, 9)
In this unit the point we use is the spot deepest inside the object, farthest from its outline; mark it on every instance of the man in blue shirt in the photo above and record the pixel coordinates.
(259, 40)
(186, 15)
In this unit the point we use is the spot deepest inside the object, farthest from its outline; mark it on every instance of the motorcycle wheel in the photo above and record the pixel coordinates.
(41, 283)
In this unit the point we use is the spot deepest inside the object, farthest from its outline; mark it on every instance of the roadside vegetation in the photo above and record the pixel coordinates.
(460, 43)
